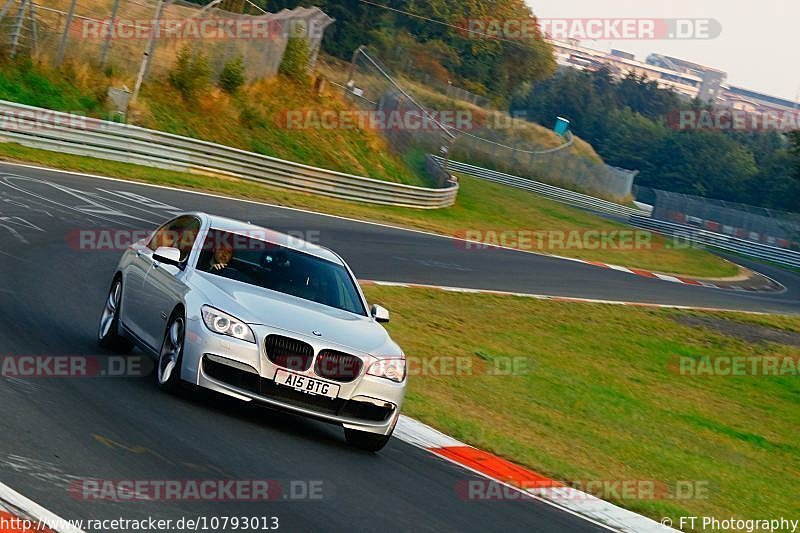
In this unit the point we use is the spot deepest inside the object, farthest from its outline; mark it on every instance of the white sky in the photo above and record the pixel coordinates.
(759, 46)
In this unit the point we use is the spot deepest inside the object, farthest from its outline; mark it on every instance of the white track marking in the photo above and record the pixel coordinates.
(308, 211)
(148, 202)
(33, 509)
(91, 207)
(557, 298)
(19, 221)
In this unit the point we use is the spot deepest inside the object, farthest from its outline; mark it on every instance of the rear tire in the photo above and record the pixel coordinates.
(170, 359)
(108, 334)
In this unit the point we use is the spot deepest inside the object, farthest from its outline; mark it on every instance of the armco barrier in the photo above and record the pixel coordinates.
(557, 194)
(61, 132)
(719, 240)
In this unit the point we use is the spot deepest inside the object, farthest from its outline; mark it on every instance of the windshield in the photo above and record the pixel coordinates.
(280, 269)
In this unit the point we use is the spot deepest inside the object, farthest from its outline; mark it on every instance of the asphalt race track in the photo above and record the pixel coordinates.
(57, 431)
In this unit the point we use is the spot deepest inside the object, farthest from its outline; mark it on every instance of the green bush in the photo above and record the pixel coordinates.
(232, 75)
(296, 56)
(191, 72)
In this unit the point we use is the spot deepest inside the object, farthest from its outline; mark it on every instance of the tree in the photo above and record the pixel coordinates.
(232, 75)
(295, 57)
(794, 150)
(631, 140)
(191, 72)
(704, 163)
(433, 39)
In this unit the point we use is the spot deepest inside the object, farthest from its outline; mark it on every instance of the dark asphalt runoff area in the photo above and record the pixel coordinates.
(59, 432)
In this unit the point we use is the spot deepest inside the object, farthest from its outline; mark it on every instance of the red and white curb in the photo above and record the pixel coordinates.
(367, 283)
(649, 274)
(18, 514)
(515, 477)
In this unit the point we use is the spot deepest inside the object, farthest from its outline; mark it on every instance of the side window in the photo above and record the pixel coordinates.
(179, 233)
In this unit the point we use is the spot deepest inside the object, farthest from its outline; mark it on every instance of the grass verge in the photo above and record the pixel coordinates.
(485, 207)
(254, 118)
(596, 399)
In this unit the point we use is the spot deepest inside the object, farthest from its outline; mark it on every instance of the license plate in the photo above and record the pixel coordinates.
(306, 384)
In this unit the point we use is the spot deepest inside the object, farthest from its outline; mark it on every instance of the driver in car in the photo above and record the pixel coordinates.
(220, 263)
(223, 254)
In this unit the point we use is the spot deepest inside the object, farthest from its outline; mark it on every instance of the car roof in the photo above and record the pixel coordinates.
(265, 234)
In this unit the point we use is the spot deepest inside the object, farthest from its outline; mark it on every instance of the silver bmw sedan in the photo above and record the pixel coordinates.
(259, 316)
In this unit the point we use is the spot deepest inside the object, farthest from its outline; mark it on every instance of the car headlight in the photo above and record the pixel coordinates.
(225, 324)
(393, 368)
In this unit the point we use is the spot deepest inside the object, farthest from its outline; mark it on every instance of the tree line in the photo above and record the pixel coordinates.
(633, 124)
(626, 120)
(455, 41)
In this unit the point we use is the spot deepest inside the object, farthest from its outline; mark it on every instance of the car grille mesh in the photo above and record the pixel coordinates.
(289, 353)
(338, 366)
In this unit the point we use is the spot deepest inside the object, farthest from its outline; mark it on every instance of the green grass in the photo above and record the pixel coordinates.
(481, 206)
(598, 401)
(25, 83)
(253, 119)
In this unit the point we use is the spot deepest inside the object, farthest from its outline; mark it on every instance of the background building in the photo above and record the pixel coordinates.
(686, 78)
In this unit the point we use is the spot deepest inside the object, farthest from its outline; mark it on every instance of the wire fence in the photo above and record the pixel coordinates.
(477, 135)
(757, 224)
(140, 38)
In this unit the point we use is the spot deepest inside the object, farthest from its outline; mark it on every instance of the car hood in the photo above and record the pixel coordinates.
(258, 306)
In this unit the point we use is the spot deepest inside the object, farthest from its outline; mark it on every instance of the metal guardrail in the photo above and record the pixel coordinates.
(718, 240)
(62, 132)
(557, 194)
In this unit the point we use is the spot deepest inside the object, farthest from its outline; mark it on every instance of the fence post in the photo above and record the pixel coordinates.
(6, 8)
(64, 36)
(144, 68)
(18, 27)
(107, 43)
(351, 72)
(34, 30)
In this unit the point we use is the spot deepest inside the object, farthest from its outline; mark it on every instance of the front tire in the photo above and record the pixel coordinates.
(170, 359)
(108, 333)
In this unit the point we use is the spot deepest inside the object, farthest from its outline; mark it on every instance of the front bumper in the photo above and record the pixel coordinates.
(242, 370)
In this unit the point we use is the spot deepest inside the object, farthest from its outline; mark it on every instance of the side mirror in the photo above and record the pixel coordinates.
(380, 314)
(168, 256)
